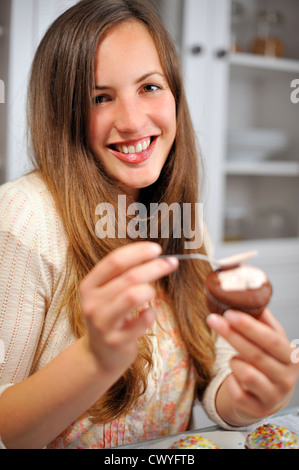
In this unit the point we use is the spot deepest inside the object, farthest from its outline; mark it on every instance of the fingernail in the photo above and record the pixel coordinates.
(213, 320)
(156, 249)
(172, 261)
(231, 316)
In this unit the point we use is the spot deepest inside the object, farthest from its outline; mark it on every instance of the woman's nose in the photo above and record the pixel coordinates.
(130, 116)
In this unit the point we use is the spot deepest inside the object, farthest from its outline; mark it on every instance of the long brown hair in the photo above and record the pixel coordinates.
(59, 107)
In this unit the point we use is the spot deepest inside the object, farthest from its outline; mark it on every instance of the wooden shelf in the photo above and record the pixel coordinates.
(265, 63)
(265, 168)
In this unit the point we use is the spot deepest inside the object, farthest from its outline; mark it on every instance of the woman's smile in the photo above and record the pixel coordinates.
(134, 151)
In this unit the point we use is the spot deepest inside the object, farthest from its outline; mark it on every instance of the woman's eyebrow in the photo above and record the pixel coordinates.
(149, 74)
(139, 80)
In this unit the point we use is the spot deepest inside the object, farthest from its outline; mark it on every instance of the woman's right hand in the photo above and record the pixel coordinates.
(114, 288)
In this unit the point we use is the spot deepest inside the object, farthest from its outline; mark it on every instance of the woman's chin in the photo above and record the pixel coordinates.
(140, 184)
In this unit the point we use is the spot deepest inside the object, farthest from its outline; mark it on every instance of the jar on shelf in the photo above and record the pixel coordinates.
(269, 41)
(237, 26)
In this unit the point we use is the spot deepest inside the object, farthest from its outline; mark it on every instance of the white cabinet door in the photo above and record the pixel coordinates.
(206, 39)
(196, 53)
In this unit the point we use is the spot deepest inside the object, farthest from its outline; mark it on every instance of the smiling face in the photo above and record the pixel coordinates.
(133, 119)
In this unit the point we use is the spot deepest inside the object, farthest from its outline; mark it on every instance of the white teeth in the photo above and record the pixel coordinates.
(140, 147)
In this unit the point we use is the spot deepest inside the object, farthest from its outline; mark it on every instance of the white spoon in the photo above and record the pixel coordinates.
(224, 263)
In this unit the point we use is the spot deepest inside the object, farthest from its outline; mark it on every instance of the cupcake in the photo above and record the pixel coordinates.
(194, 442)
(244, 288)
(271, 436)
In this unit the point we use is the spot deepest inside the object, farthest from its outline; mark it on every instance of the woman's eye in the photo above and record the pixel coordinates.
(100, 99)
(151, 88)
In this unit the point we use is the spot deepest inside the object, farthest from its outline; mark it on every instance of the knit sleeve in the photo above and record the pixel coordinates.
(23, 284)
(224, 352)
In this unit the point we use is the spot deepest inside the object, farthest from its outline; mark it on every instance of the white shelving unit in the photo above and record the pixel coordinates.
(265, 63)
(277, 168)
(262, 85)
(232, 92)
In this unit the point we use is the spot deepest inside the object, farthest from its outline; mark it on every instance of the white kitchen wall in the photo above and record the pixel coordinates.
(28, 21)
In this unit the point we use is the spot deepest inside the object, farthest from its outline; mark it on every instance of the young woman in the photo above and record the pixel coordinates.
(107, 343)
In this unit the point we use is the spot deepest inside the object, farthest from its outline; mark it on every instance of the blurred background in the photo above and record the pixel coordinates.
(241, 68)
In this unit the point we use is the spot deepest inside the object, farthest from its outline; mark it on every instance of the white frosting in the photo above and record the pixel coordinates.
(242, 278)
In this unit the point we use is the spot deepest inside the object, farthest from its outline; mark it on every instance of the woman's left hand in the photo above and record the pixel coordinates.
(264, 372)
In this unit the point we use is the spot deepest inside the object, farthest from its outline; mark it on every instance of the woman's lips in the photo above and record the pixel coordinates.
(135, 158)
